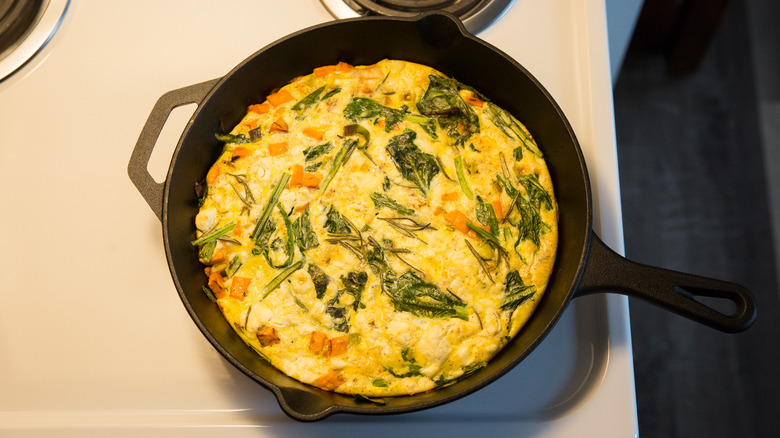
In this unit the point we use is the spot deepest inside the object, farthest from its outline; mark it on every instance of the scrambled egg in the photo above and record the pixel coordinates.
(377, 230)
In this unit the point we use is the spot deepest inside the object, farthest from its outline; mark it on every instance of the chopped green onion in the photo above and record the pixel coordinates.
(214, 234)
(269, 207)
(276, 281)
(360, 131)
(464, 183)
(341, 158)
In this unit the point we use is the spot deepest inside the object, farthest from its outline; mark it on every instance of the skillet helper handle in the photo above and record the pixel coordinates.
(137, 169)
(607, 271)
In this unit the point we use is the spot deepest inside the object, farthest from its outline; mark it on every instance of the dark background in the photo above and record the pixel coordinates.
(694, 181)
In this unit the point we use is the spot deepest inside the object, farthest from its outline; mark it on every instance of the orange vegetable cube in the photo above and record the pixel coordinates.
(239, 287)
(296, 179)
(311, 180)
(315, 133)
(338, 345)
(317, 341)
(279, 125)
(267, 335)
(329, 381)
(325, 70)
(217, 256)
(213, 175)
(275, 149)
(260, 108)
(473, 100)
(217, 284)
(305, 179)
(280, 97)
(238, 231)
(449, 197)
(240, 152)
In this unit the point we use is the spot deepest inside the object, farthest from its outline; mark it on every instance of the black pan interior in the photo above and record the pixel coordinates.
(436, 40)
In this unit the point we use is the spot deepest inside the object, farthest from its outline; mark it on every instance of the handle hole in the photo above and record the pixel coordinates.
(723, 306)
(166, 142)
(712, 299)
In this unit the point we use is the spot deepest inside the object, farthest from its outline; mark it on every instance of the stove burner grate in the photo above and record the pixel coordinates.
(475, 14)
(16, 19)
(397, 7)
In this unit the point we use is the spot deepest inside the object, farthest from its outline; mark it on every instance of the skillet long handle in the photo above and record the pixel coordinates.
(607, 271)
(137, 169)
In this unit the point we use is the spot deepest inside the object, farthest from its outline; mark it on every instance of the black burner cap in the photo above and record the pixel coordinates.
(16, 18)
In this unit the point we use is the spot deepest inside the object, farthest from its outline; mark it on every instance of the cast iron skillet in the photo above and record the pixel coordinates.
(584, 263)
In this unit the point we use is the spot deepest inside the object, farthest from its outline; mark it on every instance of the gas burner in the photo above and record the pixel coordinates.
(16, 19)
(25, 27)
(475, 14)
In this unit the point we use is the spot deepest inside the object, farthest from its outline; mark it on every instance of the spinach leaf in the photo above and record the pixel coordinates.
(414, 165)
(313, 152)
(413, 370)
(529, 226)
(518, 153)
(311, 168)
(338, 314)
(467, 370)
(375, 257)
(516, 292)
(336, 90)
(486, 215)
(536, 193)
(263, 238)
(382, 200)
(443, 102)
(508, 187)
(320, 280)
(286, 246)
(386, 184)
(511, 127)
(410, 293)
(354, 284)
(335, 224)
(363, 108)
(304, 234)
(360, 398)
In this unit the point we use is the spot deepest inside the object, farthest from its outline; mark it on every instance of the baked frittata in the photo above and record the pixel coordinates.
(377, 230)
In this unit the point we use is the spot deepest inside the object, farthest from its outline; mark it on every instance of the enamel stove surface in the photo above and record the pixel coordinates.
(93, 336)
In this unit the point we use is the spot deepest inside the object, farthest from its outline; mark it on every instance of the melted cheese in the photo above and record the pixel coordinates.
(372, 285)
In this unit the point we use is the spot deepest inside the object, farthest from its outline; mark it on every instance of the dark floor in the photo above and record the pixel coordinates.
(694, 198)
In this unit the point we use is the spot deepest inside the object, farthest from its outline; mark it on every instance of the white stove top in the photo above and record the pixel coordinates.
(93, 338)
